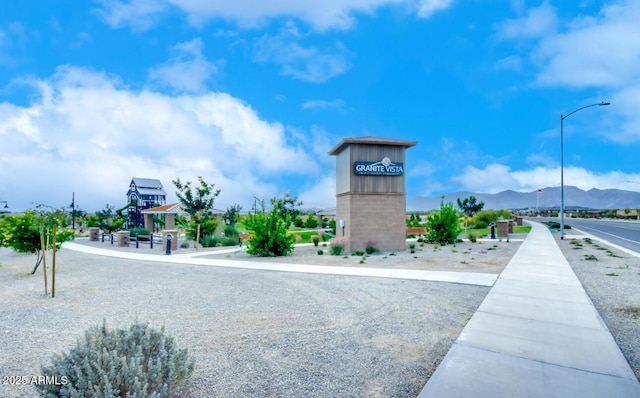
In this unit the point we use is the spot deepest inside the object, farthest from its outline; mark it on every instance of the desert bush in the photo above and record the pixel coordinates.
(371, 249)
(472, 236)
(336, 245)
(298, 222)
(269, 234)
(139, 231)
(208, 226)
(443, 225)
(332, 225)
(230, 232)
(138, 362)
(311, 222)
(209, 241)
(482, 219)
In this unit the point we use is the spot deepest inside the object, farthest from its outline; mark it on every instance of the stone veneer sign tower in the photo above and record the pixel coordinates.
(370, 192)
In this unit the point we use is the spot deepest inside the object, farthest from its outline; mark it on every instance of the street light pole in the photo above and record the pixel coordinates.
(562, 117)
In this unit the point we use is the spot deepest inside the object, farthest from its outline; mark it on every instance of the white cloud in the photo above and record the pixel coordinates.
(600, 52)
(320, 15)
(139, 14)
(323, 104)
(303, 63)
(188, 71)
(13, 39)
(321, 195)
(426, 8)
(597, 52)
(512, 62)
(497, 177)
(538, 22)
(88, 133)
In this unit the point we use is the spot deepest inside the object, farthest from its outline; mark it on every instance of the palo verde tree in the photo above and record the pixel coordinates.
(197, 202)
(470, 206)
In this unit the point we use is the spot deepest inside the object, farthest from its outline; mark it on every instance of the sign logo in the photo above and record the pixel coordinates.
(385, 167)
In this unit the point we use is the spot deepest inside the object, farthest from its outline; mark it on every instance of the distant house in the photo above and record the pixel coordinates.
(144, 193)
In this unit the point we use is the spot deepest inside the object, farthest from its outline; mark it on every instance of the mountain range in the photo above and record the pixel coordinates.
(546, 198)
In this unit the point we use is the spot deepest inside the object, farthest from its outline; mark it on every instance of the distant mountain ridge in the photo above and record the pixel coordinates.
(545, 198)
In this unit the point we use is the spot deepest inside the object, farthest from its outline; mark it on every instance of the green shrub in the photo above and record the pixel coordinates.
(482, 219)
(269, 234)
(138, 362)
(323, 235)
(316, 240)
(472, 236)
(412, 247)
(311, 222)
(336, 245)
(370, 249)
(358, 253)
(230, 231)
(320, 252)
(229, 241)
(332, 225)
(208, 226)
(298, 222)
(443, 225)
(139, 231)
(209, 241)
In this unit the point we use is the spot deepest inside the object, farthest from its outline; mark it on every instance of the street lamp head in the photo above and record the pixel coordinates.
(603, 103)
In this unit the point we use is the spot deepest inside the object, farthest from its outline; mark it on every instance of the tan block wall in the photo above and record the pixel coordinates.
(372, 218)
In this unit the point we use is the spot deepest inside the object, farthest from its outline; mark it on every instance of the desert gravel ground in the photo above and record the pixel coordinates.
(611, 278)
(252, 333)
(264, 333)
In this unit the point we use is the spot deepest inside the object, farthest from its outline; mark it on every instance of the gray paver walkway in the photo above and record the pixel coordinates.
(536, 334)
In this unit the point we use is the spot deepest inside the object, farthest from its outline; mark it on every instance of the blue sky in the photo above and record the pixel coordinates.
(252, 95)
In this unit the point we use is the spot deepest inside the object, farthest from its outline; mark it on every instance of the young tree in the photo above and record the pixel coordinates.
(25, 233)
(107, 219)
(198, 201)
(269, 234)
(470, 205)
(287, 207)
(232, 215)
(443, 225)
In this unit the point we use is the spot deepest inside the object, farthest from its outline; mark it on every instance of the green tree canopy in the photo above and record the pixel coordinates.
(232, 215)
(106, 219)
(287, 207)
(443, 225)
(23, 233)
(470, 205)
(269, 233)
(196, 201)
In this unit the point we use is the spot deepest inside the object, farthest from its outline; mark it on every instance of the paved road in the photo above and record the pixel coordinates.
(621, 233)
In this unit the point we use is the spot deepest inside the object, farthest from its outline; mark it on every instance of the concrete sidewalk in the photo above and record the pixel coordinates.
(468, 278)
(536, 334)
